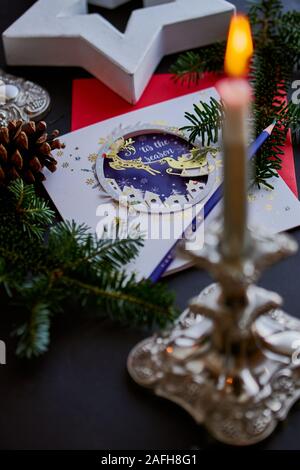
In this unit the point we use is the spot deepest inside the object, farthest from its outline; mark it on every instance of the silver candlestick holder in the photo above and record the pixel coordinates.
(21, 99)
(232, 359)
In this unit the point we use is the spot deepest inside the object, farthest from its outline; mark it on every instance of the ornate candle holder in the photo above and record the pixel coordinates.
(232, 359)
(21, 99)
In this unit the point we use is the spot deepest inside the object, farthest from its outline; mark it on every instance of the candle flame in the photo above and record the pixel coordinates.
(239, 47)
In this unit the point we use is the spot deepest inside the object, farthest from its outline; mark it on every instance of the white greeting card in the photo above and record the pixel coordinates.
(160, 173)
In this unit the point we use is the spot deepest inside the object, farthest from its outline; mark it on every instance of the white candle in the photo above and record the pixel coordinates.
(235, 93)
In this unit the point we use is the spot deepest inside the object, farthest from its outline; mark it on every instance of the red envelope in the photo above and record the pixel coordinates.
(94, 102)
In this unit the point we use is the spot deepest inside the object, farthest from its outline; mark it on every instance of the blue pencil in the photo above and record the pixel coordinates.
(208, 206)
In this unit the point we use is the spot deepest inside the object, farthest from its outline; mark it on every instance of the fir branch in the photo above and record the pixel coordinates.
(190, 66)
(127, 301)
(83, 248)
(33, 212)
(269, 157)
(205, 122)
(277, 52)
(72, 267)
(34, 335)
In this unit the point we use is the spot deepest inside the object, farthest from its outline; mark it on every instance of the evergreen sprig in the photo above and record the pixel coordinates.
(72, 268)
(190, 66)
(34, 335)
(277, 52)
(205, 122)
(33, 212)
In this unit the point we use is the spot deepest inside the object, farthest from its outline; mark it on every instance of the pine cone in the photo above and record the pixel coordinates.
(25, 149)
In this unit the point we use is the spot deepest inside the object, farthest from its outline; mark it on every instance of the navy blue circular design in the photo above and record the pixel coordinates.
(153, 165)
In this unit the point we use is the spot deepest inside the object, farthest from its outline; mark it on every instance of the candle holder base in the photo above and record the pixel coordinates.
(235, 368)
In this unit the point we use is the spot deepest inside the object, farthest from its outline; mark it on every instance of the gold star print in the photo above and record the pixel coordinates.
(101, 141)
(177, 131)
(118, 220)
(59, 153)
(92, 157)
(251, 197)
(160, 122)
(268, 207)
(131, 209)
(90, 181)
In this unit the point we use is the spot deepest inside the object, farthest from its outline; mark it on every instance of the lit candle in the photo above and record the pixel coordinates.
(235, 93)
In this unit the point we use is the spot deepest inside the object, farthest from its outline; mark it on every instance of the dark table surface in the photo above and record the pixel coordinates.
(79, 395)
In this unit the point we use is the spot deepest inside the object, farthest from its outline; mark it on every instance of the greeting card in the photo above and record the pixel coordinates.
(141, 164)
(93, 102)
